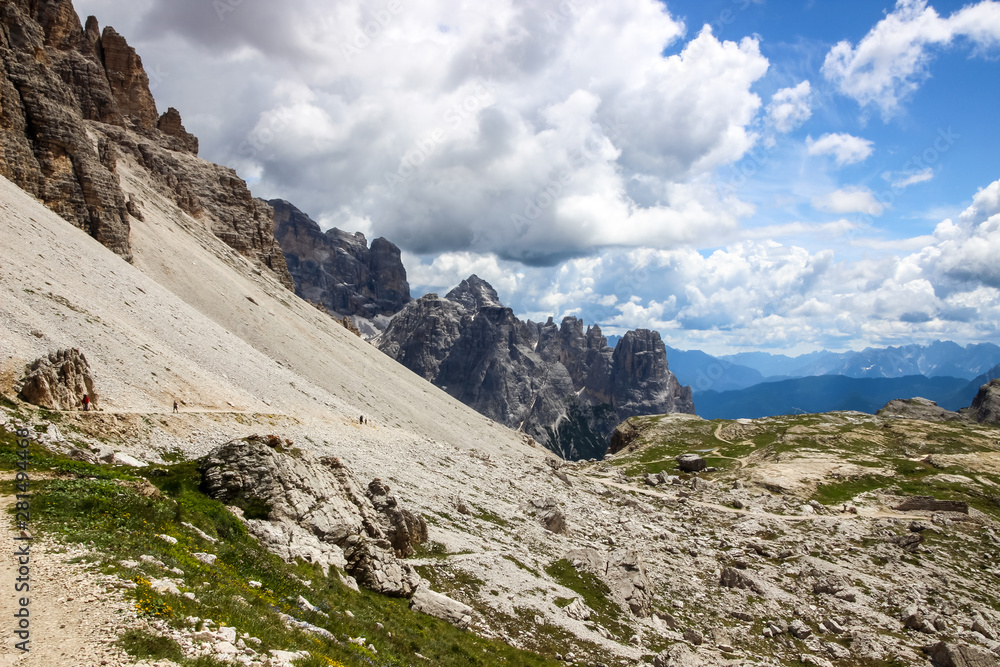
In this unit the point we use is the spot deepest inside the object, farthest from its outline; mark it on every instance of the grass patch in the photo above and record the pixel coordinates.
(595, 594)
(142, 644)
(102, 506)
(521, 565)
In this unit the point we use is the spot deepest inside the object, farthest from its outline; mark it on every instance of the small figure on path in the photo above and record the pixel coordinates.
(86, 402)
(361, 420)
(175, 405)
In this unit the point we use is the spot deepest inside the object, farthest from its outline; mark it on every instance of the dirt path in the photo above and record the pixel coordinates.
(862, 513)
(75, 612)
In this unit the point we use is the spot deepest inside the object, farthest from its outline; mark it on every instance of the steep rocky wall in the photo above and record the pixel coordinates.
(73, 99)
(337, 269)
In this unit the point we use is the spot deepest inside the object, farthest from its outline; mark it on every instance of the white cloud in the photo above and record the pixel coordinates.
(845, 148)
(764, 294)
(538, 131)
(790, 108)
(906, 179)
(892, 60)
(849, 200)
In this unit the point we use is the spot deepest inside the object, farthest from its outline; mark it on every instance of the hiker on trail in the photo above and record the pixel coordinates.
(361, 419)
(86, 403)
(175, 406)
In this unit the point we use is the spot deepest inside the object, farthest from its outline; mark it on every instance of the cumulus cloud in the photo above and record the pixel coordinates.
(849, 200)
(844, 148)
(790, 107)
(894, 58)
(538, 131)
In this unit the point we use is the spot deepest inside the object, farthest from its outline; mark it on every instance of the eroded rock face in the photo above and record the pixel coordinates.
(315, 508)
(58, 381)
(561, 384)
(642, 383)
(986, 406)
(337, 269)
(73, 101)
(403, 528)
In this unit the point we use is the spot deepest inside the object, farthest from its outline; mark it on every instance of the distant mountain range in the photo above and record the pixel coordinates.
(827, 393)
(704, 372)
(939, 359)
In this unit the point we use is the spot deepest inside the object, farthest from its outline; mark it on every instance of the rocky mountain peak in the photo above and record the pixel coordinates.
(76, 101)
(560, 384)
(475, 293)
(170, 124)
(127, 78)
(338, 270)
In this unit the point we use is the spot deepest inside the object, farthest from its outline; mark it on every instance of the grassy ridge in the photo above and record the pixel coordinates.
(105, 507)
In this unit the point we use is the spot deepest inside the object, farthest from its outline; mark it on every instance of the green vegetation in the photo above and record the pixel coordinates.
(106, 507)
(521, 565)
(595, 594)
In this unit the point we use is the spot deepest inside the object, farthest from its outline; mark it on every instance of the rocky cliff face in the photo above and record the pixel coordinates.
(986, 406)
(338, 269)
(561, 384)
(73, 101)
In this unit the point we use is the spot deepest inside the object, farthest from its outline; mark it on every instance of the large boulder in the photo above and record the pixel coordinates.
(58, 381)
(441, 606)
(691, 463)
(953, 655)
(299, 505)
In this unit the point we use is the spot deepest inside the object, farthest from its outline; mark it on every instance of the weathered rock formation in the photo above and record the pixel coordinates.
(428, 602)
(73, 101)
(624, 574)
(301, 506)
(337, 269)
(985, 406)
(917, 408)
(58, 381)
(561, 384)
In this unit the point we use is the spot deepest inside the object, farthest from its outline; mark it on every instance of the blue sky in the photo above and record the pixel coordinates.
(739, 175)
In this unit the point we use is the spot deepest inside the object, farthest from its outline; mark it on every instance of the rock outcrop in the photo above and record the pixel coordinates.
(74, 101)
(58, 381)
(624, 575)
(441, 606)
(337, 269)
(985, 407)
(917, 408)
(301, 506)
(561, 384)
